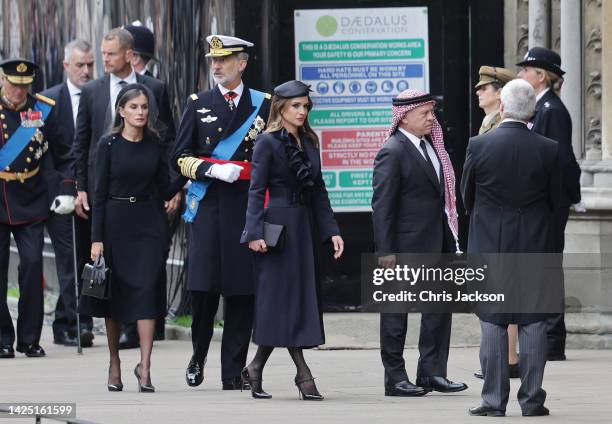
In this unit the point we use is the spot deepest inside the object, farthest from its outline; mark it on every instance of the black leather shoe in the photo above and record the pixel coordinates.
(6, 351)
(440, 384)
(63, 338)
(86, 338)
(235, 383)
(479, 374)
(405, 388)
(485, 411)
(195, 372)
(556, 357)
(538, 412)
(31, 351)
(128, 339)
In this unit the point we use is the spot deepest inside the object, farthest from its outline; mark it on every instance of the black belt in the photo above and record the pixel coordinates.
(131, 199)
(281, 197)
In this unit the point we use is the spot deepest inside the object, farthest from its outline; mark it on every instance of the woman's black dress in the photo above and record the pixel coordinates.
(133, 233)
(287, 307)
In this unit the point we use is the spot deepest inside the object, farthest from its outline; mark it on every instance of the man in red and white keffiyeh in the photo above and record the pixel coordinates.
(413, 199)
(411, 99)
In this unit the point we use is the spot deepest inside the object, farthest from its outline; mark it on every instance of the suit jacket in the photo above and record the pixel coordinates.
(94, 120)
(552, 120)
(408, 201)
(510, 187)
(62, 116)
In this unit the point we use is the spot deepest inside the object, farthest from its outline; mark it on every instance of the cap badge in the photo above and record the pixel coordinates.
(22, 67)
(216, 43)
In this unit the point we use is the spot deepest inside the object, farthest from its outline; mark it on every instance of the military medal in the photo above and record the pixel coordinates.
(31, 119)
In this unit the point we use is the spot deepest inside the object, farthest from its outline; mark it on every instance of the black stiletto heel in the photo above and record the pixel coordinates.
(257, 390)
(143, 388)
(114, 387)
(307, 396)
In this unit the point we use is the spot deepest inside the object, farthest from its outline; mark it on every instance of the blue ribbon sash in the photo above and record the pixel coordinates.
(21, 138)
(224, 150)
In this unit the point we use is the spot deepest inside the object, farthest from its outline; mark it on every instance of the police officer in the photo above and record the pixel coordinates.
(25, 137)
(144, 47)
(214, 145)
(541, 67)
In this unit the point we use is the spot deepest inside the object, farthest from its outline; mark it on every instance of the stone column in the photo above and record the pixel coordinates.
(606, 80)
(571, 63)
(539, 23)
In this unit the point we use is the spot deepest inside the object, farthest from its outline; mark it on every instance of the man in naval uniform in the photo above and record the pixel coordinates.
(214, 145)
(25, 137)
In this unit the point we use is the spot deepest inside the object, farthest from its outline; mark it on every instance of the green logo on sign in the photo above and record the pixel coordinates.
(327, 25)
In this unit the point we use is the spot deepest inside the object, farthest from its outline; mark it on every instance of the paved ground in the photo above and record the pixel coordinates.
(578, 390)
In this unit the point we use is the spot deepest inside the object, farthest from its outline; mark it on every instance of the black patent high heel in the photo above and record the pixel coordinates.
(143, 388)
(114, 387)
(308, 396)
(257, 390)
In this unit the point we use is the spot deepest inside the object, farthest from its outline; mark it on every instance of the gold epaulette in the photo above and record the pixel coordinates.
(45, 99)
(194, 97)
(268, 96)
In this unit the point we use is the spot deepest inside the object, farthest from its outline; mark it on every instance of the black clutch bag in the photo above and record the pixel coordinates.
(274, 235)
(96, 280)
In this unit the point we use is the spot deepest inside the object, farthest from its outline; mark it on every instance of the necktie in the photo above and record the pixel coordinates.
(230, 96)
(427, 158)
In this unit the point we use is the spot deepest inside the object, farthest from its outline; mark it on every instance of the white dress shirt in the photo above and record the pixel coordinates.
(238, 90)
(541, 94)
(115, 88)
(75, 98)
(430, 150)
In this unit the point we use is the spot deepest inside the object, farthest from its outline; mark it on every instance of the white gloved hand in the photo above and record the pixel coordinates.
(579, 207)
(63, 205)
(227, 172)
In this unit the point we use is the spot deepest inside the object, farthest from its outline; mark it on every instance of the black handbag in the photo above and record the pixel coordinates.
(96, 279)
(274, 235)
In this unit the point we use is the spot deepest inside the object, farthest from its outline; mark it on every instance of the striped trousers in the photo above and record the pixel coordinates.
(494, 363)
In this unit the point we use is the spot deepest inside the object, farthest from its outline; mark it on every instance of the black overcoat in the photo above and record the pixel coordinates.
(287, 307)
(510, 187)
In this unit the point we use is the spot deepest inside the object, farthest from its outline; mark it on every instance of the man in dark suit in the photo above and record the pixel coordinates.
(27, 133)
(413, 211)
(214, 148)
(510, 188)
(78, 66)
(542, 69)
(96, 113)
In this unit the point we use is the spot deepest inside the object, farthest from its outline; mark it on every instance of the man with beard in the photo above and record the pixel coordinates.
(214, 146)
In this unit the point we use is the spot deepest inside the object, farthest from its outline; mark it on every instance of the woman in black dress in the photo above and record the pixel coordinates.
(128, 224)
(286, 164)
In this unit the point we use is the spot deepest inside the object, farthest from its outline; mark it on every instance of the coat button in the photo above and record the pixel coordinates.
(28, 160)
(6, 135)
(220, 129)
(2, 116)
(4, 126)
